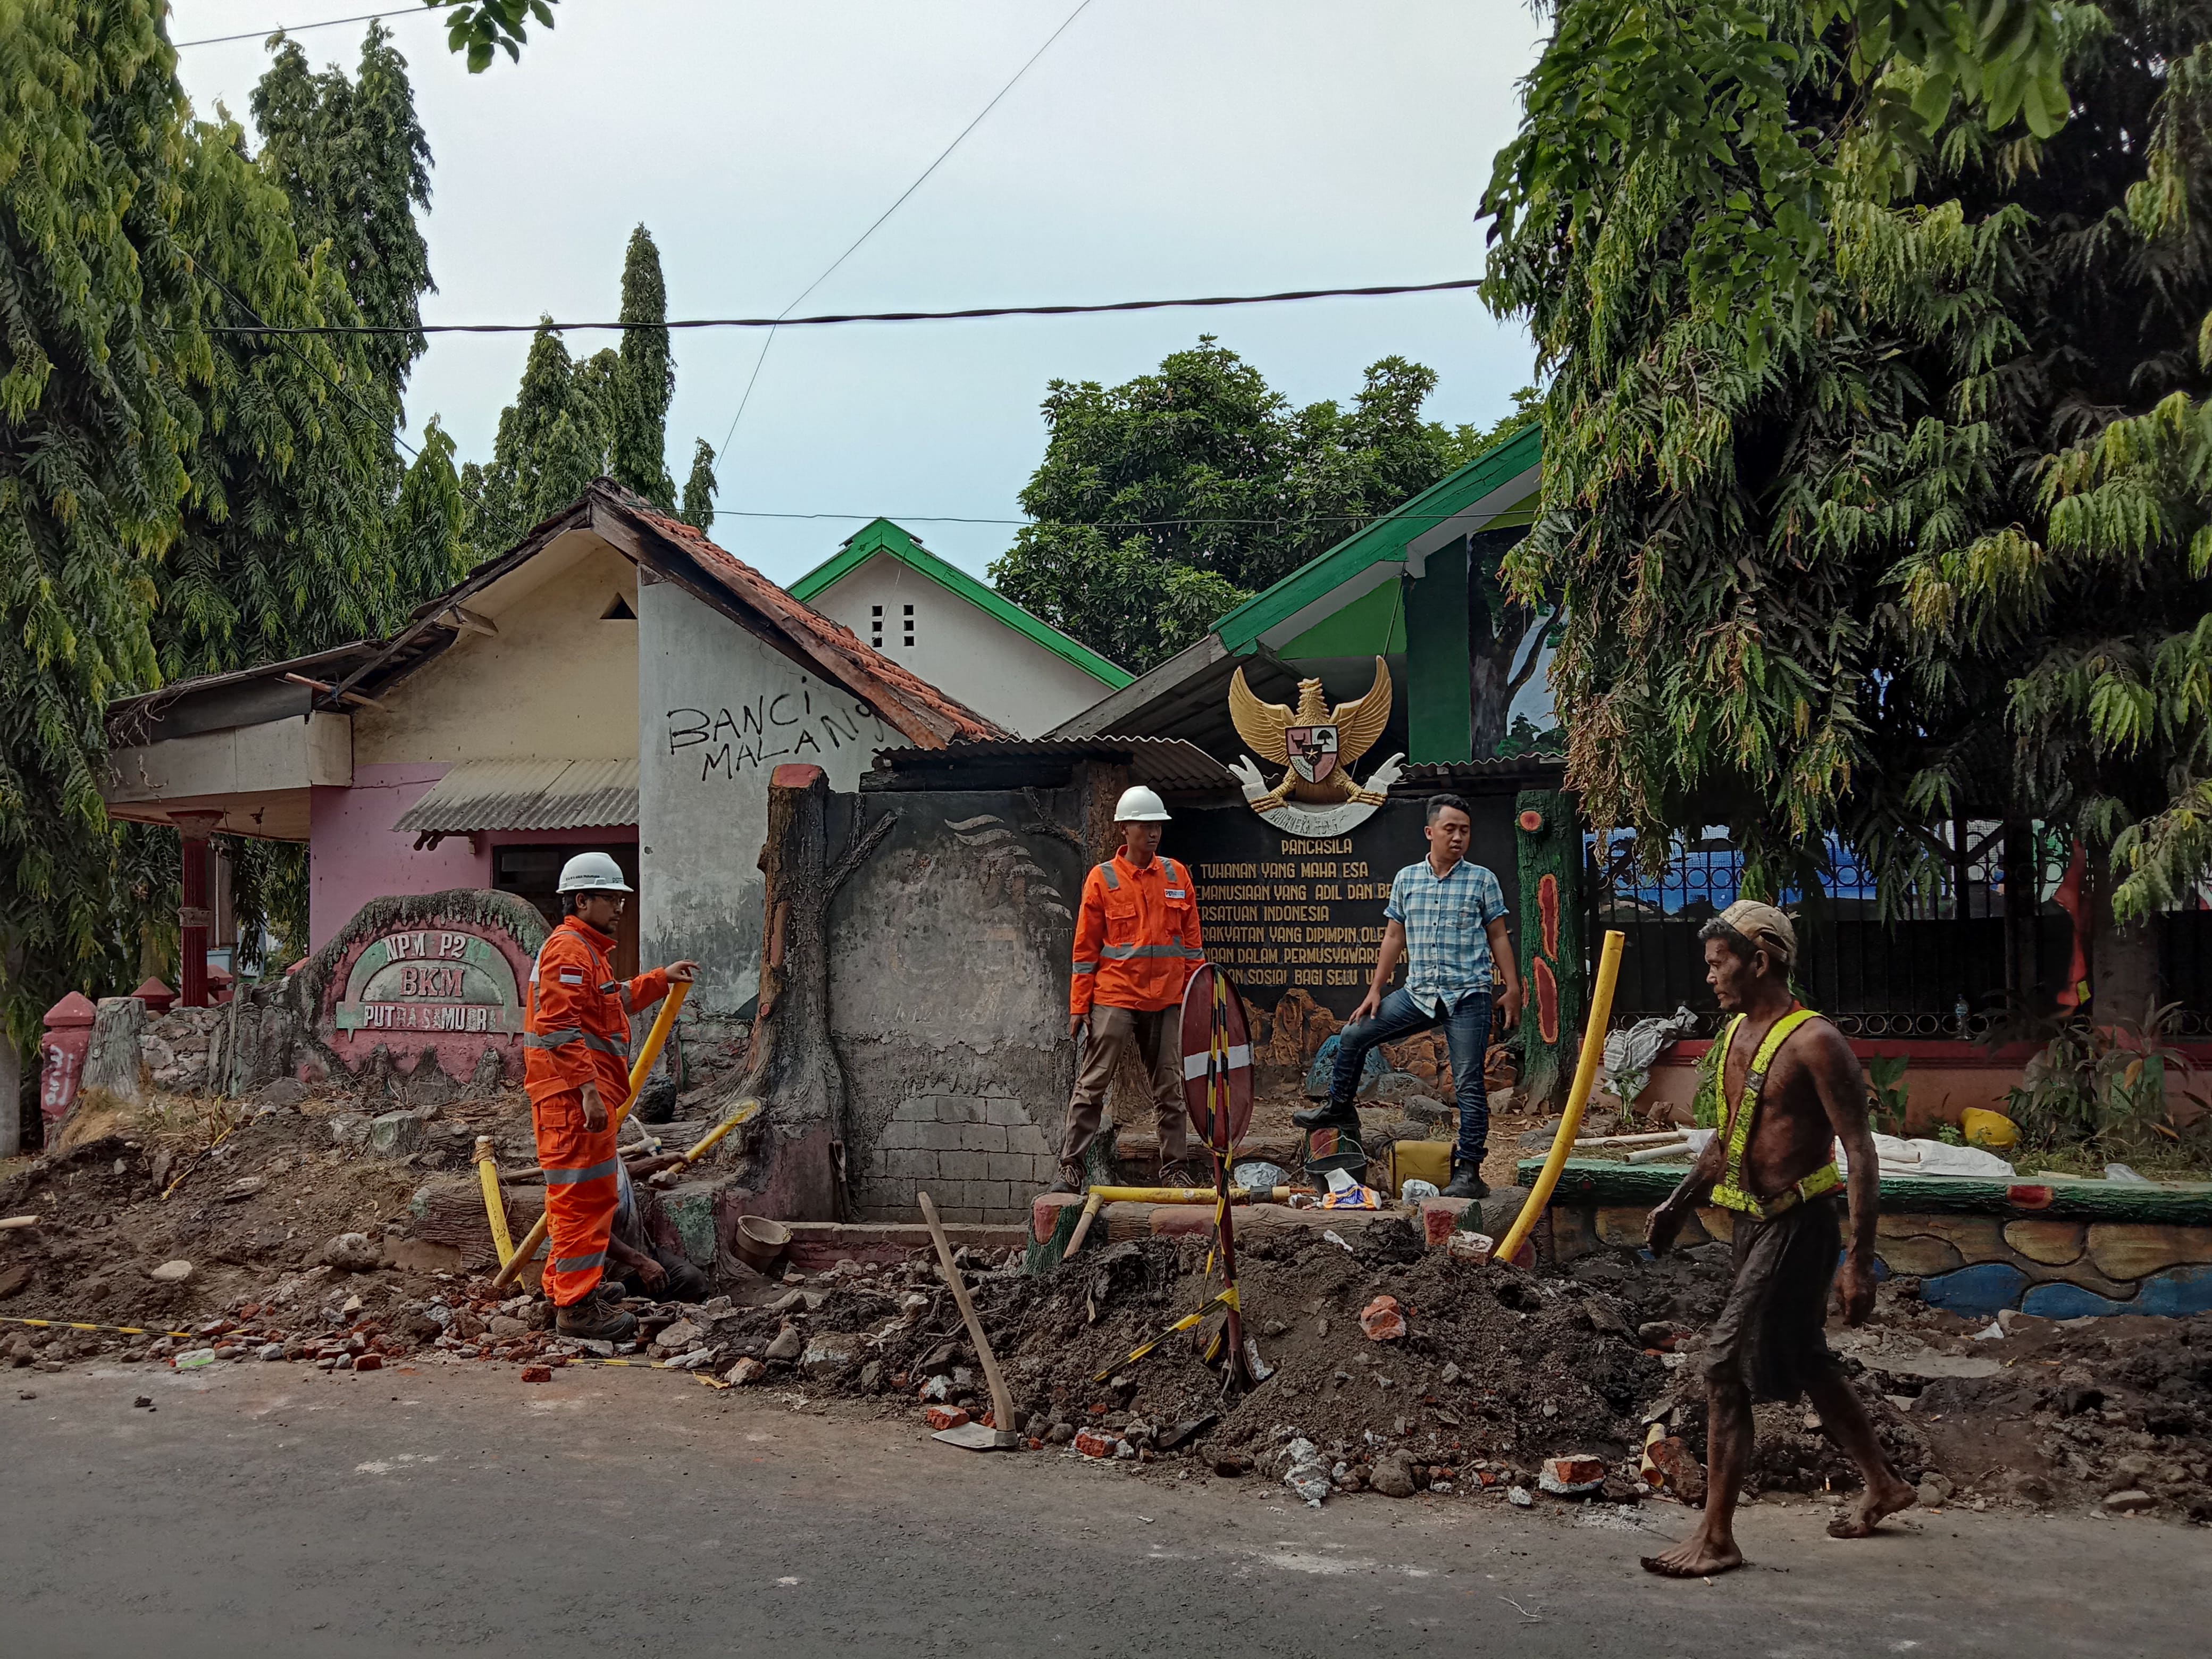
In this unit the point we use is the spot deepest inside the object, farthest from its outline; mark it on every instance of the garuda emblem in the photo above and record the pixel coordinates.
(1317, 744)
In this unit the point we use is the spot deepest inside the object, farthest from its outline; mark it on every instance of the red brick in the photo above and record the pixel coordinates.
(537, 1373)
(1381, 1320)
(368, 1362)
(945, 1417)
(1092, 1444)
(1439, 1216)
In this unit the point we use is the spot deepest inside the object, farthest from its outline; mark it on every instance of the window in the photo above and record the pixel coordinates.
(909, 625)
(876, 626)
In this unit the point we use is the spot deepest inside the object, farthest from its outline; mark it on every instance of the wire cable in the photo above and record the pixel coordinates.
(753, 379)
(301, 28)
(830, 320)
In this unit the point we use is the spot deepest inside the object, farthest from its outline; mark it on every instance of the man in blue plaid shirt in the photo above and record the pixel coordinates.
(1446, 917)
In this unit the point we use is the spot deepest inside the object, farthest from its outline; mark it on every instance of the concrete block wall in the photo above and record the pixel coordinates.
(979, 1156)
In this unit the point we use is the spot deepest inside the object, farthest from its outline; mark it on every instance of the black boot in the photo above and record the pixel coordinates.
(595, 1320)
(1329, 1115)
(1466, 1182)
(1069, 1180)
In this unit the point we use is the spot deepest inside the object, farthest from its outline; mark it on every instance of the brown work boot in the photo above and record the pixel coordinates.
(1177, 1175)
(594, 1319)
(1070, 1179)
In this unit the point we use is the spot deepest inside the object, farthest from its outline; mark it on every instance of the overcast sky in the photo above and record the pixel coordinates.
(1161, 148)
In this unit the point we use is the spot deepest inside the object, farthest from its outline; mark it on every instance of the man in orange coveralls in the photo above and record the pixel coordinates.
(577, 1027)
(1136, 946)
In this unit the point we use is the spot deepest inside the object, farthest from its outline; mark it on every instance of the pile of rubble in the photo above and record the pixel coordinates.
(1386, 1366)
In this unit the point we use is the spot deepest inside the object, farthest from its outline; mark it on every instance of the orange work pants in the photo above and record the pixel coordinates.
(581, 1194)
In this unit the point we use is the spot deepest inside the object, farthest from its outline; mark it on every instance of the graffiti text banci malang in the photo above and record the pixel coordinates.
(770, 727)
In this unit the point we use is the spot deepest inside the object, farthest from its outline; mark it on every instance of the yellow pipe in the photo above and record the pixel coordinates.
(494, 1204)
(653, 1041)
(1571, 1120)
(1187, 1195)
(747, 1110)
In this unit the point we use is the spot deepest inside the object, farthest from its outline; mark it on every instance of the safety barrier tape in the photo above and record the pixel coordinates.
(1226, 1298)
(80, 1325)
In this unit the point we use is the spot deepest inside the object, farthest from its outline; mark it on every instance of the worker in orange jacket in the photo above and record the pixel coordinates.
(576, 1029)
(1136, 945)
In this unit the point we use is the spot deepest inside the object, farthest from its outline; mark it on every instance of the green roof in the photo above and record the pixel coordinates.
(883, 537)
(1387, 538)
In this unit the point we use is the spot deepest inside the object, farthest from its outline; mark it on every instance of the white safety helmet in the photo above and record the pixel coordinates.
(1140, 805)
(592, 873)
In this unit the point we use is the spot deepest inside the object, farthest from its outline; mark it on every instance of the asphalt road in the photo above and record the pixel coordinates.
(275, 1510)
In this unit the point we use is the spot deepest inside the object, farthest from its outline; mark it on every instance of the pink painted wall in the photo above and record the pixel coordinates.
(354, 855)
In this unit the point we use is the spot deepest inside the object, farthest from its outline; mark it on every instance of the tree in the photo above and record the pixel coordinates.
(637, 416)
(352, 159)
(699, 489)
(281, 547)
(506, 494)
(1165, 502)
(430, 521)
(1922, 544)
(96, 425)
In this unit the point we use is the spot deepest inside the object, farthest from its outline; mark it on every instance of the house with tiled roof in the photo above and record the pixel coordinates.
(615, 681)
(954, 631)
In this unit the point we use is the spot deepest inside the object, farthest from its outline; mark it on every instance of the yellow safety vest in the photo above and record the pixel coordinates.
(1729, 1194)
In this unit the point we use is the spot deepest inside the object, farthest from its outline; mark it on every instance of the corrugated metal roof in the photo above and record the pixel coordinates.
(1162, 763)
(525, 794)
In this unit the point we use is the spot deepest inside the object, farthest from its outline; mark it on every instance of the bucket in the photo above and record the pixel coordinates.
(760, 1242)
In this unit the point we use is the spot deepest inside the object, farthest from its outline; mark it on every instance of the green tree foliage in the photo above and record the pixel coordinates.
(1165, 502)
(352, 159)
(572, 422)
(281, 550)
(429, 521)
(1928, 540)
(698, 510)
(97, 422)
(637, 416)
(506, 494)
(176, 495)
(479, 28)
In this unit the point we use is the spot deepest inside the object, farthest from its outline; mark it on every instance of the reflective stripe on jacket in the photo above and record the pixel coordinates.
(1137, 938)
(576, 1025)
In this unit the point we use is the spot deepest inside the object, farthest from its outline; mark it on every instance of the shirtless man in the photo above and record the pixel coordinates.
(1767, 1344)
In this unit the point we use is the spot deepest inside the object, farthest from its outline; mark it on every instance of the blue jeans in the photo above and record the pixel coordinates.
(1467, 1034)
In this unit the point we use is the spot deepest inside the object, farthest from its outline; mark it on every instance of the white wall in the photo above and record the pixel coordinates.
(960, 648)
(718, 712)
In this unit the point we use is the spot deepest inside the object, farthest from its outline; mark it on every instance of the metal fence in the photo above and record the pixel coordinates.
(1975, 946)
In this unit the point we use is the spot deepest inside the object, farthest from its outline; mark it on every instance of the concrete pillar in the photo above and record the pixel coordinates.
(62, 1053)
(197, 917)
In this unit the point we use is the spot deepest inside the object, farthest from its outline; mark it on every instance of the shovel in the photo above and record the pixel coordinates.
(972, 1436)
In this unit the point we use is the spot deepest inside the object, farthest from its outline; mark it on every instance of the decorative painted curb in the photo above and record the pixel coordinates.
(2060, 1249)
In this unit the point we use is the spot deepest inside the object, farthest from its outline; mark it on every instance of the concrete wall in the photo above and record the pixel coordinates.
(556, 682)
(716, 711)
(978, 658)
(948, 995)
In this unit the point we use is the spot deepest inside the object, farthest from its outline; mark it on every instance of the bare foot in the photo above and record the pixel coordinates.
(1695, 1557)
(1860, 1520)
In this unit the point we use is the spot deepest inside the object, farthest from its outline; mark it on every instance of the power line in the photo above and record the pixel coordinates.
(754, 378)
(835, 319)
(301, 28)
